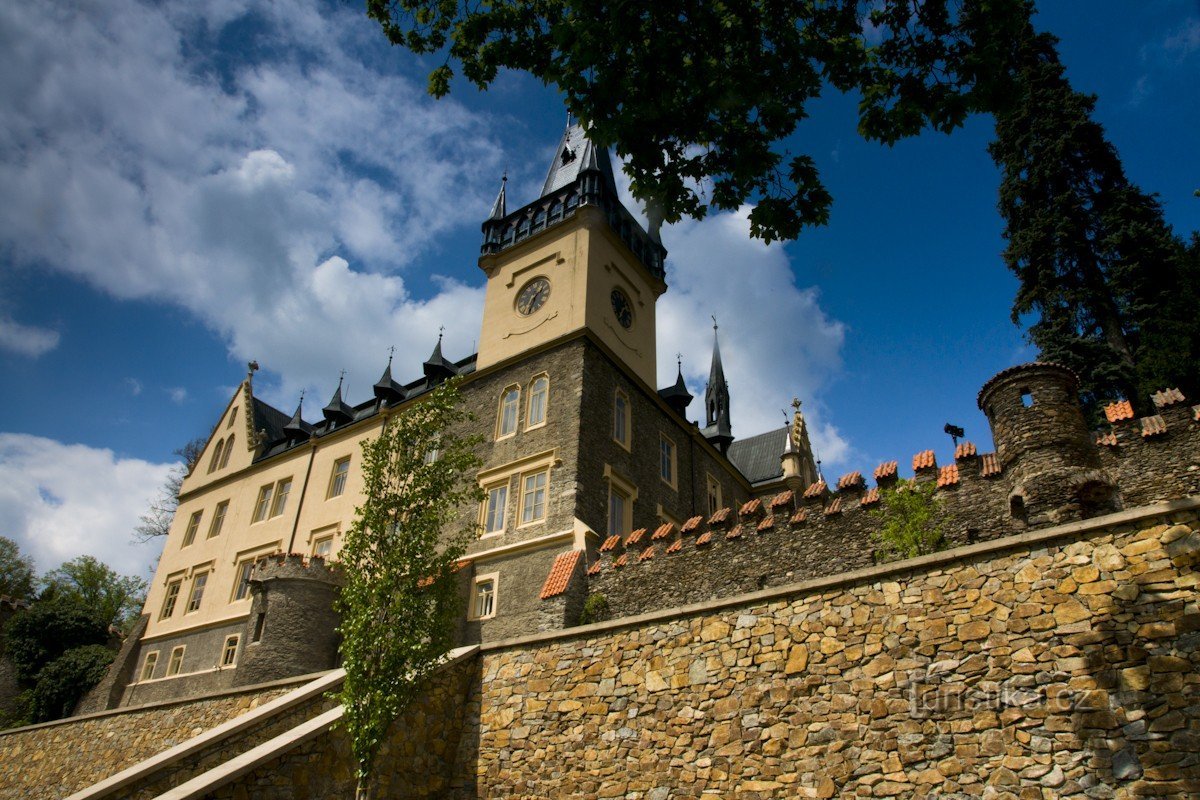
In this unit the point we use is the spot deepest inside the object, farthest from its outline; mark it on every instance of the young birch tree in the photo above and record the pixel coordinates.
(401, 601)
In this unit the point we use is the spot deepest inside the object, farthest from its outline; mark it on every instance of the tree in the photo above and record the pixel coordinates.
(698, 96)
(113, 598)
(157, 521)
(400, 557)
(44, 632)
(1100, 271)
(16, 571)
(909, 524)
(64, 681)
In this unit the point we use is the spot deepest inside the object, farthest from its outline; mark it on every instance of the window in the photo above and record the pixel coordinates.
(259, 623)
(533, 497)
(323, 547)
(263, 503)
(483, 599)
(1026, 398)
(216, 456)
(148, 665)
(666, 460)
(232, 418)
(538, 391)
(176, 662)
(508, 412)
(620, 428)
(337, 479)
(168, 606)
(228, 452)
(229, 651)
(497, 502)
(433, 453)
(193, 526)
(214, 528)
(714, 495)
(197, 594)
(619, 509)
(281, 495)
(241, 589)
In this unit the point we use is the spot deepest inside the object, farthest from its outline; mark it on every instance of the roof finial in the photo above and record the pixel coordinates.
(301, 397)
(341, 377)
(568, 117)
(391, 352)
(679, 361)
(714, 319)
(441, 329)
(251, 368)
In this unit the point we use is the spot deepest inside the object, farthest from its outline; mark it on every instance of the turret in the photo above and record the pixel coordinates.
(717, 426)
(677, 396)
(799, 469)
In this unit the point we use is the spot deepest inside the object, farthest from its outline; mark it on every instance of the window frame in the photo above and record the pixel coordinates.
(175, 665)
(239, 581)
(279, 501)
(622, 419)
(149, 664)
(486, 508)
(545, 490)
(193, 527)
(218, 521)
(710, 483)
(473, 609)
(263, 504)
(171, 598)
(194, 602)
(543, 378)
(335, 474)
(322, 540)
(228, 658)
(671, 458)
(218, 451)
(505, 407)
(624, 488)
(232, 418)
(228, 451)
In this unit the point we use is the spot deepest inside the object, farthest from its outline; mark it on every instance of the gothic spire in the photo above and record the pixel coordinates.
(500, 207)
(337, 411)
(386, 389)
(437, 368)
(297, 429)
(718, 428)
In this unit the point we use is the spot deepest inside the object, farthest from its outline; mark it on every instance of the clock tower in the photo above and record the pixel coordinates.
(573, 260)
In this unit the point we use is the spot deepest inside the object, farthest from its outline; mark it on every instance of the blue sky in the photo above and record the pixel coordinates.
(187, 186)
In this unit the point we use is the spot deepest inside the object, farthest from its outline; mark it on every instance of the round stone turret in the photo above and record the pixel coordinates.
(1044, 446)
(292, 625)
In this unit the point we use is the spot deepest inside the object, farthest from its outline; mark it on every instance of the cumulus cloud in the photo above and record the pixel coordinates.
(178, 394)
(26, 340)
(59, 501)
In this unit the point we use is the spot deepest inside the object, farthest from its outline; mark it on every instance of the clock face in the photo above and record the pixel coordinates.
(622, 308)
(533, 296)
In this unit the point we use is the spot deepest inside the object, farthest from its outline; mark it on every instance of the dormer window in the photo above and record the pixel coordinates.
(568, 155)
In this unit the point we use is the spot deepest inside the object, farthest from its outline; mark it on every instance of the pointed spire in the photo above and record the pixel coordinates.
(678, 397)
(337, 412)
(437, 368)
(386, 389)
(500, 207)
(297, 429)
(718, 428)
(576, 155)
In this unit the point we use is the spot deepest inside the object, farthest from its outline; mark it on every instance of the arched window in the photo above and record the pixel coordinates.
(509, 402)
(218, 452)
(228, 450)
(538, 393)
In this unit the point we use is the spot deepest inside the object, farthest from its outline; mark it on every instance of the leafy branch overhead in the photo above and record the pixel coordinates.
(698, 97)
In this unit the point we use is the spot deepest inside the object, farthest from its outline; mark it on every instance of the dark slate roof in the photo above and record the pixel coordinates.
(577, 154)
(269, 419)
(757, 457)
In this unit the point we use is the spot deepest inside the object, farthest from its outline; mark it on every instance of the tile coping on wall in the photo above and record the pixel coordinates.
(225, 730)
(176, 701)
(204, 784)
(866, 574)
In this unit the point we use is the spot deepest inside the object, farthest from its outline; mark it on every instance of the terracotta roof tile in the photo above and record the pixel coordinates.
(1119, 411)
(948, 476)
(692, 524)
(594, 569)
(886, 470)
(703, 538)
(647, 554)
(816, 490)
(871, 497)
(622, 561)
(1153, 426)
(676, 546)
(663, 531)
(719, 517)
(1167, 397)
(799, 518)
(751, 507)
(635, 537)
(924, 460)
(989, 465)
(610, 544)
(766, 523)
(964, 450)
(781, 499)
(835, 507)
(1107, 439)
(560, 574)
(850, 480)
(734, 532)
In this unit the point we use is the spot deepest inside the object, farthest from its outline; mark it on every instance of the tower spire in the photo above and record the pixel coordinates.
(500, 207)
(718, 428)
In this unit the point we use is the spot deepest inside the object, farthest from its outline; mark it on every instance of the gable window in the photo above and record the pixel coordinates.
(497, 502)
(197, 594)
(508, 412)
(176, 662)
(216, 456)
(337, 479)
(533, 497)
(282, 489)
(229, 651)
(666, 460)
(214, 528)
(228, 451)
(538, 392)
(148, 665)
(168, 606)
(483, 598)
(714, 495)
(241, 589)
(263, 503)
(193, 526)
(621, 421)
(232, 418)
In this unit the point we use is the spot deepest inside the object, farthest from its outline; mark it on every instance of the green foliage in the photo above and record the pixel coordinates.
(44, 632)
(698, 97)
(116, 599)
(595, 609)
(909, 525)
(16, 571)
(401, 601)
(62, 682)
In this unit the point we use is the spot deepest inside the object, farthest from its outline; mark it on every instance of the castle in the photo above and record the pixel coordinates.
(595, 480)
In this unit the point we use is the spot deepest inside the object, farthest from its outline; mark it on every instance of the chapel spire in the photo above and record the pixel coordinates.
(718, 428)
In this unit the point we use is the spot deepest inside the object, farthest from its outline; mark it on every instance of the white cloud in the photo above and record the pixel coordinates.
(178, 394)
(1184, 40)
(59, 501)
(134, 386)
(26, 340)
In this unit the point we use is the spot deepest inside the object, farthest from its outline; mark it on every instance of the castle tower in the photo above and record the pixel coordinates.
(1043, 444)
(574, 259)
(717, 426)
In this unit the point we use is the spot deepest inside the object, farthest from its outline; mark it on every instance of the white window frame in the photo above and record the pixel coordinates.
(193, 527)
(193, 600)
(670, 459)
(533, 392)
(338, 488)
(622, 419)
(263, 504)
(175, 583)
(473, 611)
(244, 565)
(228, 660)
(502, 430)
(175, 665)
(545, 490)
(218, 520)
(318, 545)
(149, 664)
(283, 488)
(485, 512)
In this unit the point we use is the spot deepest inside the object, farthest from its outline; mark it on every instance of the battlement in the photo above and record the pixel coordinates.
(296, 566)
